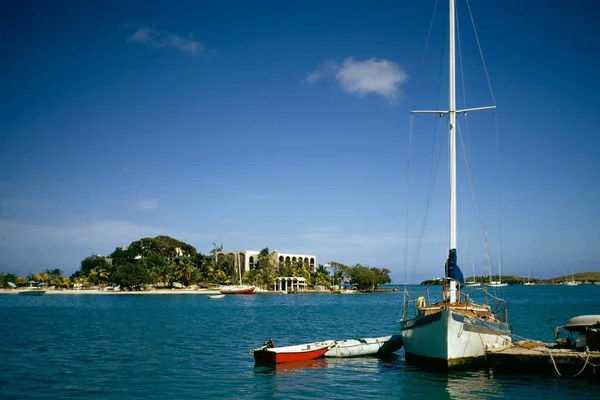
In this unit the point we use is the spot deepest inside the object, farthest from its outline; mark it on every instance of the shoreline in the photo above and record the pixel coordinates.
(168, 291)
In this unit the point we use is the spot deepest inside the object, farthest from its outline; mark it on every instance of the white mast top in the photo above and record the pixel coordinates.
(452, 128)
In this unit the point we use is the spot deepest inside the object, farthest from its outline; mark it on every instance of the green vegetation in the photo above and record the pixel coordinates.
(589, 277)
(167, 262)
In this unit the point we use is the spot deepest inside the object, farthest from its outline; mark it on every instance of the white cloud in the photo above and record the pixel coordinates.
(146, 204)
(162, 39)
(328, 68)
(381, 77)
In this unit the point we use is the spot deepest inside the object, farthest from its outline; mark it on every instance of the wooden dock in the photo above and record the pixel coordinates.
(544, 358)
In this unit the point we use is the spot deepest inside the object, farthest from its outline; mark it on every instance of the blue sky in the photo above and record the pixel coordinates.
(286, 124)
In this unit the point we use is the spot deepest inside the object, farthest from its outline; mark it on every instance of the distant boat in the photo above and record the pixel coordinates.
(365, 347)
(572, 282)
(474, 282)
(34, 289)
(529, 283)
(215, 296)
(269, 354)
(242, 289)
(497, 283)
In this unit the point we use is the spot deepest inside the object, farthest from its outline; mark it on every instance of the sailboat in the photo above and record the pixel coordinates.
(529, 283)
(572, 282)
(454, 331)
(241, 288)
(497, 283)
(474, 282)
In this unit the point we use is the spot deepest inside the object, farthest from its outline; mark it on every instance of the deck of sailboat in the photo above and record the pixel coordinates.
(466, 308)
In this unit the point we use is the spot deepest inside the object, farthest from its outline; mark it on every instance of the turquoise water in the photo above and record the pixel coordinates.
(188, 346)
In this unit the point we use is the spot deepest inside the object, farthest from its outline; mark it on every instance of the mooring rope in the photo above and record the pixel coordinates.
(548, 352)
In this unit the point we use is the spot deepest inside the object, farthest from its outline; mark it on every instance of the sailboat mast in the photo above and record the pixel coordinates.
(452, 127)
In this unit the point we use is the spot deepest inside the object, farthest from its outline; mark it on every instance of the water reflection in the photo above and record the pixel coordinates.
(295, 367)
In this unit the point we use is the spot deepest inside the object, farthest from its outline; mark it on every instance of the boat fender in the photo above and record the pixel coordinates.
(421, 302)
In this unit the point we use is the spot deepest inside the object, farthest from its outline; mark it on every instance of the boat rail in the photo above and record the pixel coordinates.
(424, 305)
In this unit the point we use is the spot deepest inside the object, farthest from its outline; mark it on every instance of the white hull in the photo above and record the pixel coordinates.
(443, 338)
(471, 284)
(496, 284)
(365, 347)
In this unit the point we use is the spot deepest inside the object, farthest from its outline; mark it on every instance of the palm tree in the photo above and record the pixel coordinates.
(322, 276)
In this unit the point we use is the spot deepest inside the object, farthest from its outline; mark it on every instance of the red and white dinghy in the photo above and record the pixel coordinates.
(269, 354)
(237, 289)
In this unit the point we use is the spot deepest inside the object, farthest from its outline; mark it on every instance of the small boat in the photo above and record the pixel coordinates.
(575, 352)
(34, 289)
(269, 354)
(215, 296)
(474, 282)
(497, 283)
(586, 327)
(238, 289)
(365, 347)
(572, 282)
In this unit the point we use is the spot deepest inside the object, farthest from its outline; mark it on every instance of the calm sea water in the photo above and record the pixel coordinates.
(188, 346)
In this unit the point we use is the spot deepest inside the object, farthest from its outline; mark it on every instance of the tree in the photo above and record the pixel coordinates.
(322, 276)
(368, 278)
(5, 278)
(131, 276)
(94, 261)
(339, 271)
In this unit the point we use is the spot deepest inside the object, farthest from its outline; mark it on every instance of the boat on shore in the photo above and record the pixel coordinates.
(243, 289)
(269, 354)
(378, 346)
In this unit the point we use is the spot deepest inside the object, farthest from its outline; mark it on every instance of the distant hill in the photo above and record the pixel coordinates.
(583, 277)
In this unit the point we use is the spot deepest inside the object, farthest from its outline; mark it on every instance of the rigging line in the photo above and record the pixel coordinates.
(437, 104)
(425, 49)
(420, 242)
(432, 172)
(499, 194)
(483, 229)
(466, 154)
(431, 23)
(487, 75)
(407, 196)
(463, 84)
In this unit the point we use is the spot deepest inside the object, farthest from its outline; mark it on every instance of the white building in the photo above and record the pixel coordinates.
(290, 284)
(248, 258)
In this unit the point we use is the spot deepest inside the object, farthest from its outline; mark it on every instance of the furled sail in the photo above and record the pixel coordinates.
(453, 269)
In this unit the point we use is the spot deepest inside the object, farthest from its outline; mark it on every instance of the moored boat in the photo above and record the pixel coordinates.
(215, 296)
(237, 289)
(574, 353)
(34, 289)
(454, 331)
(269, 354)
(365, 347)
